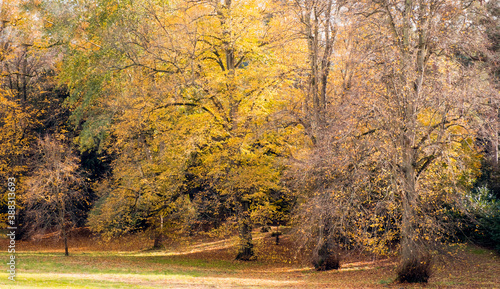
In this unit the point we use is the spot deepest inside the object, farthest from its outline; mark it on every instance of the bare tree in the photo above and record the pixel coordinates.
(397, 153)
(318, 22)
(427, 106)
(54, 189)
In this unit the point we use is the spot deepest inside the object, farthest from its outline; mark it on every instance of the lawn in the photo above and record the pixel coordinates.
(210, 264)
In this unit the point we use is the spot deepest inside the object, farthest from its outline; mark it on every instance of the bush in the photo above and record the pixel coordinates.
(489, 232)
(486, 210)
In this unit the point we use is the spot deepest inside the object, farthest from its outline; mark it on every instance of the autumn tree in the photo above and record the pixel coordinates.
(30, 97)
(399, 150)
(182, 92)
(490, 57)
(317, 108)
(427, 103)
(15, 112)
(54, 189)
(318, 25)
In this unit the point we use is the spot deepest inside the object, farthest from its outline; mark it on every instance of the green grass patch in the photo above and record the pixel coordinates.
(102, 264)
(385, 281)
(40, 280)
(479, 251)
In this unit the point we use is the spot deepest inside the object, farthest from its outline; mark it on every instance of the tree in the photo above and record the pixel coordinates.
(321, 111)
(318, 23)
(15, 112)
(54, 189)
(398, 151)
(182, 92)
(29, 96)
(428, 102)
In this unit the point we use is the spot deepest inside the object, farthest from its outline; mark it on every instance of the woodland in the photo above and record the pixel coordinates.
(358, 126)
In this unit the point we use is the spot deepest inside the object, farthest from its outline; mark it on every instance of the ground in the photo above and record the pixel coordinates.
(209, 263)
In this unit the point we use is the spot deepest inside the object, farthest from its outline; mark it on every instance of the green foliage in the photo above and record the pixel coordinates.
(485, 208)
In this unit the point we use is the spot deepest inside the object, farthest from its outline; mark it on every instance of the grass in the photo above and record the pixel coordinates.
(385, 282)
(211, 264)
(479, 251)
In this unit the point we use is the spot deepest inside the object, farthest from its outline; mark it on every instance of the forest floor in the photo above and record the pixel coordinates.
(209, 263)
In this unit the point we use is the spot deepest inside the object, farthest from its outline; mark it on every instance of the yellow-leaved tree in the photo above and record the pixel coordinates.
(182, 93)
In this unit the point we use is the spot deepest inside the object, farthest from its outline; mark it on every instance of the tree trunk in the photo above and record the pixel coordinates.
(65, 236)
(246, 252)
(312, 42)
(159, 235)
(415, 264)
(64, 233)
(495, 144)
(62, 223)
(325, 256)
(158, 239)
(277, 235)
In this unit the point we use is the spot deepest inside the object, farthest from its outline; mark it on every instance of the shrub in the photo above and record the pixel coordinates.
(486, 211)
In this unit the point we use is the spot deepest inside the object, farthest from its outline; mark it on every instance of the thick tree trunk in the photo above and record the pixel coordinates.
(159, 235)
(415, 264)
(246, 252)
(158, 240)
(408, 199)
(325, 255)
